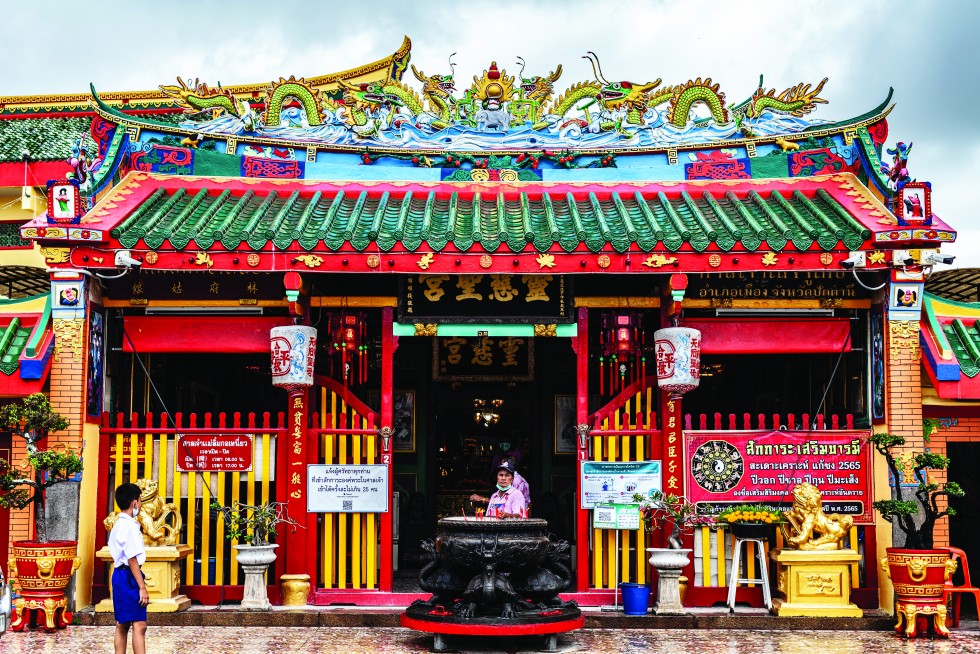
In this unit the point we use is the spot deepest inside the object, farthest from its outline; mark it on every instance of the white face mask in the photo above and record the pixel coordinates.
(136, 512)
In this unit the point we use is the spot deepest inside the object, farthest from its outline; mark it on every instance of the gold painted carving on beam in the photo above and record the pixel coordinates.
(658, 260)
(546, 330)
(55, 255)
(428, 329)
(311, 260)
(903, 334)
(546, 260)
(68, 339)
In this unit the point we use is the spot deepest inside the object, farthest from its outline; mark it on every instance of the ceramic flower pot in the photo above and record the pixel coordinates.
(255, 561)
(919, 577)
(761, 530)
(42, 570)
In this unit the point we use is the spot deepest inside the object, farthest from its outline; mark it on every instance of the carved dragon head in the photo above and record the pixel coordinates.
(616, 94)
(437, 85)
(370, 93)
(537, 87)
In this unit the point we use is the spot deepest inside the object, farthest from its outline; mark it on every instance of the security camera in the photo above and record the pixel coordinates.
(902, 258)
(856, 260)
(25, 155)
(936, 258)
(125, 260)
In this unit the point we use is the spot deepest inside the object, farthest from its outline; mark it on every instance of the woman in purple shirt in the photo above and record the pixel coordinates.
(507, 502)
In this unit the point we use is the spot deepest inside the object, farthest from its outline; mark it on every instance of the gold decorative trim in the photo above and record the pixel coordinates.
(903, 334)
(428, 329)
(546, 330)
(68, 339)
(55, 255)
(311, 260)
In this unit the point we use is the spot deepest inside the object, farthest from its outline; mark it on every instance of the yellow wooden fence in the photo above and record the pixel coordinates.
(348, 548)
(146, 452)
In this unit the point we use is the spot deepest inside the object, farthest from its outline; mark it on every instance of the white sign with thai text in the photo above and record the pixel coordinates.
(347, 488)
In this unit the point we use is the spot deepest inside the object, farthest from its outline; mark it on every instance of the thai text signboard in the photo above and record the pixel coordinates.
(775, 285)
(347, 488)
(762, 467)
(485, 299)
(615, 482)
(214, 452)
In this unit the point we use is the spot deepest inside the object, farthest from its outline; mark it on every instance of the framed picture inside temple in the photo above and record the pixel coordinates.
(483, 358)
(565, 434)
(403, 422)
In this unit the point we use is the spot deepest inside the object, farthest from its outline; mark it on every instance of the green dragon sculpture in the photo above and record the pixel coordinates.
(438, 90)
(292, 88)
(201, 97)
(797, 100)
(364, 99)
(535, 93)
(685, 96)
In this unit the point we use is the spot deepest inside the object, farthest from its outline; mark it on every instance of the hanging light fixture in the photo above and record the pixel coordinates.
(485, 411)
(621, 352)
(348, 347)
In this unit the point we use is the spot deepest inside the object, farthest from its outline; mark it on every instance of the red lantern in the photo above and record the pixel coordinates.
(621, 351)
(348, 346)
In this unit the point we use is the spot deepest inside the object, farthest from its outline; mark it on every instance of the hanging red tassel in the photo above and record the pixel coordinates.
(602, 376)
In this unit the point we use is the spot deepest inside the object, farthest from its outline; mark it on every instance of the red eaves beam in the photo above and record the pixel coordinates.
(772, 336)
(211, 334)
(38, 172)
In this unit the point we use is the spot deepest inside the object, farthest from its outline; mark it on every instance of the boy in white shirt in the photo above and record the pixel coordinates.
(129, 595)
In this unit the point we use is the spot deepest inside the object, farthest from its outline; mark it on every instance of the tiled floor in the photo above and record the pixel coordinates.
(283, 640)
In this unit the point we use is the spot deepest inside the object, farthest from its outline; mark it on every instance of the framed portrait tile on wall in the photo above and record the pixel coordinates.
(403, 421)
(565, 435)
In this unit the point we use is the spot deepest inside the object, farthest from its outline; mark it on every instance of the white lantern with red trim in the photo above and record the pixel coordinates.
(678, 359)
(293, 350)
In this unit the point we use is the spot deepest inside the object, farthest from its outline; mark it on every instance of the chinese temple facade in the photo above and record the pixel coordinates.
(485, 266)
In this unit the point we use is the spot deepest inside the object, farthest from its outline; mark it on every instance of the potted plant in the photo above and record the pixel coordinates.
(750, 520)
(657, 510)
(254, 524)
(41, 567)
(918, 571)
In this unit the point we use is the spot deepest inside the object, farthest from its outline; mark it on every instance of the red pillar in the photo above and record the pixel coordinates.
(581, 345)
(389, 343)
(296, 558)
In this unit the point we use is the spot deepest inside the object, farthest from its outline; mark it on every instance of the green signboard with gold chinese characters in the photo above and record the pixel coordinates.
(485, 299)
(483, 358)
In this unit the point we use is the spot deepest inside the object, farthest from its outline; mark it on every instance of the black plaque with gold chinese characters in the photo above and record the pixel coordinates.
(483, 358)
(485, 299)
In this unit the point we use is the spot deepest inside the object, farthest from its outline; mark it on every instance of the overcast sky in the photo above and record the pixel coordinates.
(928, 51)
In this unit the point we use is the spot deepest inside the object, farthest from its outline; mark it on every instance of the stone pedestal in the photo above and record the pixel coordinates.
(815, 583)
(669, 564)
(162, 570)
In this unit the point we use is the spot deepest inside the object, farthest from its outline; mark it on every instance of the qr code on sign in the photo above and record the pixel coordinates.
(348, 505)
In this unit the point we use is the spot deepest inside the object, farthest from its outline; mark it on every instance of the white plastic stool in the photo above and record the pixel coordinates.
(734, 580)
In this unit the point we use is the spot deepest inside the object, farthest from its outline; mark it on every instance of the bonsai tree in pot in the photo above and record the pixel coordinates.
(256, 524)
(924, 501)
(32, 419)
(41, 575)
(657, 510)
(918, 571)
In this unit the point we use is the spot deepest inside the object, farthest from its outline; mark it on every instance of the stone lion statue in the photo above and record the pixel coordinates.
(807, 527)
(160, 522)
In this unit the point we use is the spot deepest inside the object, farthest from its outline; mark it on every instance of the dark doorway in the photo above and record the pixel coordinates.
(964, 527)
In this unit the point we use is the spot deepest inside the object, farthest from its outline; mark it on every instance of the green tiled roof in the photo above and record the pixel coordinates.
(651, 220)
(13, 338)
(45, 139)
(51, 138)
(965, 342)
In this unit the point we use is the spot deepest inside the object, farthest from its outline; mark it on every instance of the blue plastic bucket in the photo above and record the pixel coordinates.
(636, 598)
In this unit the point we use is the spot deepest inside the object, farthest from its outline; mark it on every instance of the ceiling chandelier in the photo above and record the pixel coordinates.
(485, 411)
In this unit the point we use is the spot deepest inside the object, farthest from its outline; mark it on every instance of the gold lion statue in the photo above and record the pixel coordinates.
(807, 527)
(159, 522)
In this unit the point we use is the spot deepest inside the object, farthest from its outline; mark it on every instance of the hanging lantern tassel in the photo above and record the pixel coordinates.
(613, 364)
(602, 376)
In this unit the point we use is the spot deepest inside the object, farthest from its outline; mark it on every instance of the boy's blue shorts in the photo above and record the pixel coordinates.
(126, 596)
